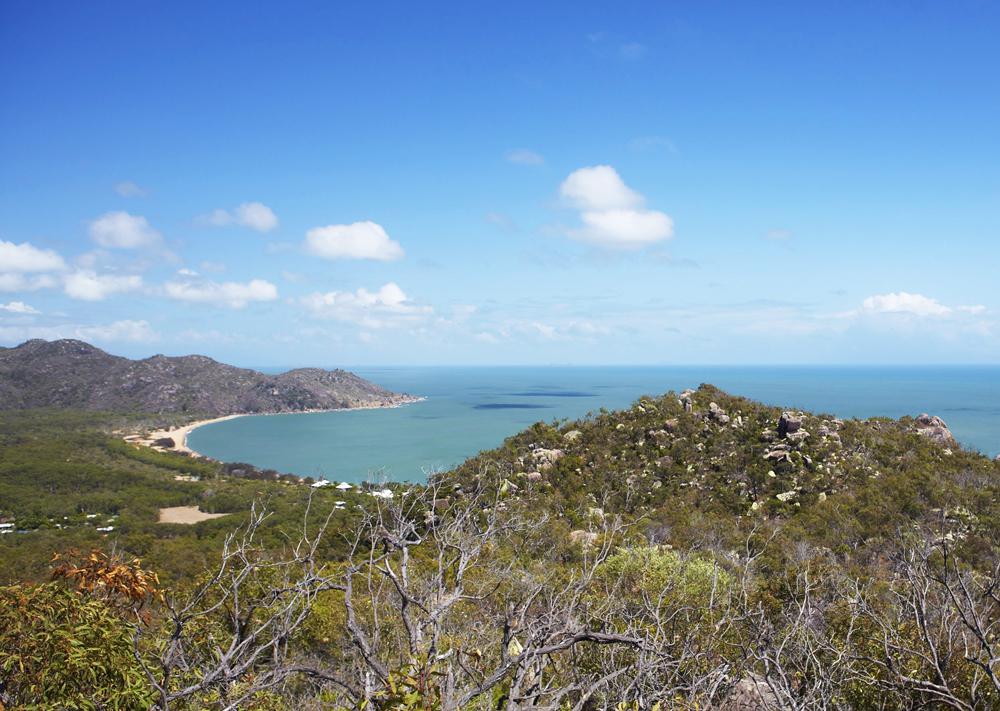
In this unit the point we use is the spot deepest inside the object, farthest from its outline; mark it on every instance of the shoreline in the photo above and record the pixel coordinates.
(180, 434)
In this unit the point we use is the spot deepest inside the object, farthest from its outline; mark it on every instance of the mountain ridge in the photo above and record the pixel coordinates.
(69, 373)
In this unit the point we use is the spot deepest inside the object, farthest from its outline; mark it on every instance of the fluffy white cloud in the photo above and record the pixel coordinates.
(233, 294)
(23, 267)
(123, 231)
(611, 212)
(624, 228)
(127, 188)
(522, 156)
(255, 215)
(25, 257)
(359, 240)
(599, 188)
(127, 330)
(18, 307)
(389, 306)
(86, 285)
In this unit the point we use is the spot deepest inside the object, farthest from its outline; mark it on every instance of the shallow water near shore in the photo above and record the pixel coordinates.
(470, 409)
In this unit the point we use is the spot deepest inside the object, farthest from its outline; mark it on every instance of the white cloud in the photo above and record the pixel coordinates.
(184, 271)
(583, 330)
(522, 156)
(127, 188)
(124, 231)
(24, 267)
(233, 294)
(20, 282)
(389, 306)
(18, 307)
(624, 228)
(86, 285)
(599, 188)
(25, 257)
(359, 240)
(255, 215)
(905, 303)
(127, 330)
(612, 213)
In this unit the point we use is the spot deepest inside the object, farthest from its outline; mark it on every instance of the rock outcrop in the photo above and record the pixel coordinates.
(789, 423)
(751, 693)
(717, 413)
(935, 429)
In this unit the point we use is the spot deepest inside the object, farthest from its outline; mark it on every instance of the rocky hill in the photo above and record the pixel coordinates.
(703, 465)
(74, 374)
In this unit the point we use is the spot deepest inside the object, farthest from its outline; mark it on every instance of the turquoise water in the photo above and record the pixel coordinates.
(471, 409)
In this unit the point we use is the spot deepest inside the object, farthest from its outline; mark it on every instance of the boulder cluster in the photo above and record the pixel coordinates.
(935, 429)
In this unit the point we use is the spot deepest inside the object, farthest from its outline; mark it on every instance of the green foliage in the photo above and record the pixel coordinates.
(412, 687)
(64, 474)
(60, 649)
(658, 571)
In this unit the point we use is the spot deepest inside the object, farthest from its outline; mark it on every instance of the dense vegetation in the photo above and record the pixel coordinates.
(64, 474)
(695, 551)
(703, 469)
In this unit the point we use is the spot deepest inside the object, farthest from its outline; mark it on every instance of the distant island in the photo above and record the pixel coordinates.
(73, 374)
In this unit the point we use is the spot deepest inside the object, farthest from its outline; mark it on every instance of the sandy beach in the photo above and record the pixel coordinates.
(180, 434)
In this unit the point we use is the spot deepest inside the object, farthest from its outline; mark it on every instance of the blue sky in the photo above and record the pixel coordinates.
(429, 183)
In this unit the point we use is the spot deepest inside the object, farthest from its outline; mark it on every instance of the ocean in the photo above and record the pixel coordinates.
(469, 409)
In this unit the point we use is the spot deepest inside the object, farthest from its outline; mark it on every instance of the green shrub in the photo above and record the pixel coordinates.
(60, 649)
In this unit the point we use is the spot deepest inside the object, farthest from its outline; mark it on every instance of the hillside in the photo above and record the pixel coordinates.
(73, 374)
(697, 550)
(704, 465)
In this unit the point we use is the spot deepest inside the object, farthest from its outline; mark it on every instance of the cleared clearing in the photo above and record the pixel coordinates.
(186, 514)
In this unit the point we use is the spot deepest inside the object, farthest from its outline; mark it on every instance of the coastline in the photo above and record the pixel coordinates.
(180, 434)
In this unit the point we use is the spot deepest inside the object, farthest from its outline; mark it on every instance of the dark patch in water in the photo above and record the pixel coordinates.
(988, 410)
(554, 393)
(508, 406)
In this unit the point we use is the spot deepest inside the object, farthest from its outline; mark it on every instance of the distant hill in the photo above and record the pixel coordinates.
(74, 374)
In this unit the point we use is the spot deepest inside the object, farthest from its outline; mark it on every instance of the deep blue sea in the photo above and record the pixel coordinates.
(469, 409)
